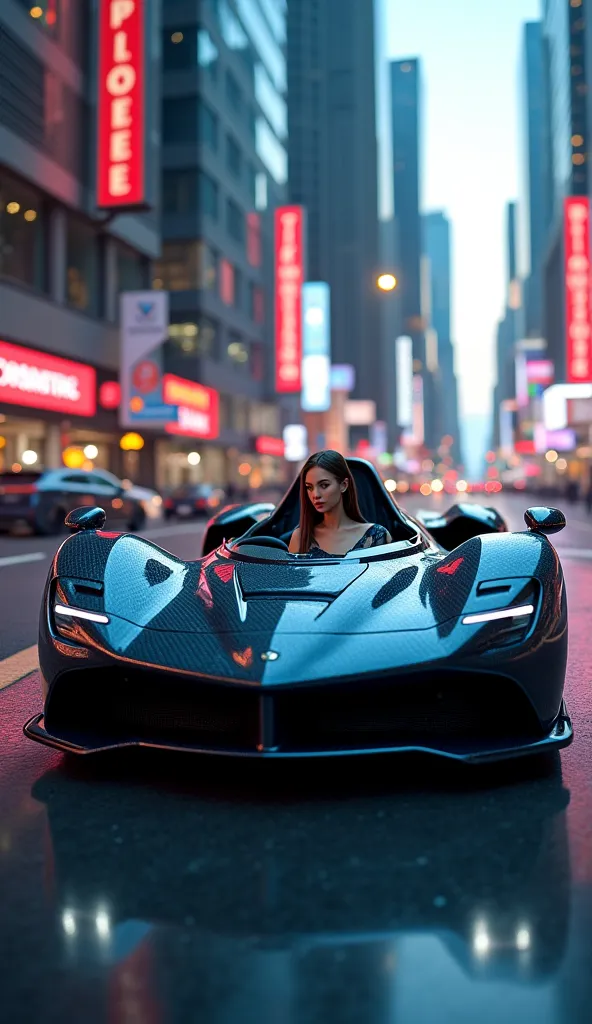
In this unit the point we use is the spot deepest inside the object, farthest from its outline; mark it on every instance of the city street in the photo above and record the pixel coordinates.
(151, 888)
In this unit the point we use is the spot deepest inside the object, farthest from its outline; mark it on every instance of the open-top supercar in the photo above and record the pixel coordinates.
(452, 639)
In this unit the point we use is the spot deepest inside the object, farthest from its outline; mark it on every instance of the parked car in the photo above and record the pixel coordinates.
(42, 499)
(191, 500)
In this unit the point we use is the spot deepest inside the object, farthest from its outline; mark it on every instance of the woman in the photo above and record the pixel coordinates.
(331, 524)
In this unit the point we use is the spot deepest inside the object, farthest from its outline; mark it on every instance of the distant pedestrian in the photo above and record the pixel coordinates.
(572, 492)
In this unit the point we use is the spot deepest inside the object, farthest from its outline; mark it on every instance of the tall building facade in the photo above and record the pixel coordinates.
(536, 173)
(332, 157)
(510, 327)
(564, 29)
(437, 244)
(62, 261)
(224, 171)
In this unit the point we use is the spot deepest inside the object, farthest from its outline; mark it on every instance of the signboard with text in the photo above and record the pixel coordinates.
(289, 278)
(316, 347)
(40, 381)
(197, 408)
(121, 114)
(577, 289)
(144, 318)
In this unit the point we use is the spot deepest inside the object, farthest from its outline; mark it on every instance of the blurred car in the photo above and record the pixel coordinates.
(192, 500)
(41, 499)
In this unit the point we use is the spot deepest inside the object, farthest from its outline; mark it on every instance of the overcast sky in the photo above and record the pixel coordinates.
(470, 53)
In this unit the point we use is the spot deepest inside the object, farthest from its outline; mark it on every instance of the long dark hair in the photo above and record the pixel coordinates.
(335, 464)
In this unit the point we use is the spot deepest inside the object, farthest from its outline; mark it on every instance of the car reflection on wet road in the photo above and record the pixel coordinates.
(147, 888)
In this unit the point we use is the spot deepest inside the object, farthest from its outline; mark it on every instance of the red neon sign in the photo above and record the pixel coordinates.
(265, 445)
(198, 406)
(121, 170)
(38, 381)
(577, 289)
(289, 278)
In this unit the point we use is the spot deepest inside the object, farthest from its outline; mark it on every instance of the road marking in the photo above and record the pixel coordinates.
(17, 666)
(33, 556)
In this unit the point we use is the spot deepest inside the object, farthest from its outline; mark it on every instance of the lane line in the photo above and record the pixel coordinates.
(33, 556)
(17, 666)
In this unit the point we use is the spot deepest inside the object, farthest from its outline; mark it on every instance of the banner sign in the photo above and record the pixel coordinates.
(295, 438)
(577, 289)
(316, 347)
(196, 408)
(121, 116)
(39, 381)
(404, 378)
(144, 318)
(343, 377)
(289, 278)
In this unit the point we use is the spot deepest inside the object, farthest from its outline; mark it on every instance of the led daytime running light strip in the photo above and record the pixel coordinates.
(79, 613)
(503, 613)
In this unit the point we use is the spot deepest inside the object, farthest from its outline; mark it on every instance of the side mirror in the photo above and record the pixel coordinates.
(541, 519)
(87, 517)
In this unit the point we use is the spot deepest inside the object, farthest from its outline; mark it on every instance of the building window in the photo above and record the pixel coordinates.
(238, 289)
(208, 195)
(180, 48)
(179, 119)
(194, 335)
(258, 372)
(233, 156)
(207, 52)
(179, 191)
(235, 221)
(261, 191)
(254, 239)
(258, 305)
(22, 234)
(83, 289)
(252, 183)
(186, 266)
(237, 352)
(227, 282)
(208, 126)
(133, 270)
(233, 92)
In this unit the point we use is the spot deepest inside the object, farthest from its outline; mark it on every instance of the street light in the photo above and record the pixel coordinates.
(387, 282)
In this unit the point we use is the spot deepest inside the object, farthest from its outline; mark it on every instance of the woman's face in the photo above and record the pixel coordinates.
(324, 490)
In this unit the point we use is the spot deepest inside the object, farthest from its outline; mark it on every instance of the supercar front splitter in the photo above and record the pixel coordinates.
(561, 735)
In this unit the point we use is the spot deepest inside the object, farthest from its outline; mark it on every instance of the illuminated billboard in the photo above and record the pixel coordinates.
(289, 278)
(39, 381)
(144, 326)
(577, 290)
(121, 114)
(404, 378)
(197, 407)
(316, 347)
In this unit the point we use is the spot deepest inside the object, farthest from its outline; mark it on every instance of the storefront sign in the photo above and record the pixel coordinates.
(295, 437)
(39, 381)
(269, 446)
(360, 413)
(144, 327)
(289, 278)
(121, 121)
(555, 399)
(316, 347)
(577, 289)
(197, 407)
(110, 394)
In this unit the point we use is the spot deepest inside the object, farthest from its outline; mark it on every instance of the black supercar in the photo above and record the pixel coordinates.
(450, 640)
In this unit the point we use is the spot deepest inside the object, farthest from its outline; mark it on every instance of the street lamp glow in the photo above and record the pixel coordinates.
(461, 485)
(194, 458)
(551, 456)
(387, 282)
(91, 451)
(29, 458)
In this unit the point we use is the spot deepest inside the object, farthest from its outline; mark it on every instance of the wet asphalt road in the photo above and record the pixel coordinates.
(140, 889)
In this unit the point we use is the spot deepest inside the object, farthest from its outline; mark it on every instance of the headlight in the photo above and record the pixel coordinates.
(75, 602)
(502, 613)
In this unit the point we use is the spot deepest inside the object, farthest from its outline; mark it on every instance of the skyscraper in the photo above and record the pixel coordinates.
(406, 114)
(510, 327)
(224, 172)
(564, 28)
(437, 247)
(536, 182)
(332, 157)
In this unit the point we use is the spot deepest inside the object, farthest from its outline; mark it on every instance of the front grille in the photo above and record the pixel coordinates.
(157, 709)
(449, 711)
(443, 709)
